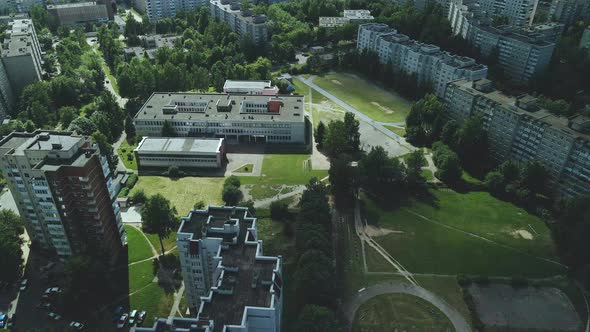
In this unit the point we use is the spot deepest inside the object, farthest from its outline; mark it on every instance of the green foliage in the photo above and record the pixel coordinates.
(380, 174)
(423, 122)
(124, 192)
(159, 217)
(342, 137)
(447, 162)
(11, 228)
(279, 210)
(131, 181)
(315, 318)
(106, 149)
(414, 163)
(232, 181)
(557, 107)
(82, 125)
(319, 134)
(231, 195)
(344, 180)
(138, 197)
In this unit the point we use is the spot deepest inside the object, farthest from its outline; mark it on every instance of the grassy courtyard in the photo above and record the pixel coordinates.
(184, 192)
(470, 233)
(288, 169)
(125, 152)
(374, 101)
(138, 248)
(400, 312)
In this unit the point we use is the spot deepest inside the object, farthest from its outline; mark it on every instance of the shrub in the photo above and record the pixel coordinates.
(232, 181)
(279, 210)
(124, 192)
(130, 156)
(131, 181)
(138, 196)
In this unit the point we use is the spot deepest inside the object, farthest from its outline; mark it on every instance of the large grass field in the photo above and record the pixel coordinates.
(470, 233)
(138, 248)
(183, 192)
(374, 101)
(289, 169)
(400, 312)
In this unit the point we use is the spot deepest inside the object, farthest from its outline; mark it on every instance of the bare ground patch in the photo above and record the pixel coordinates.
(386, 110)
(337, 82)
(522, 234)
(378, 231)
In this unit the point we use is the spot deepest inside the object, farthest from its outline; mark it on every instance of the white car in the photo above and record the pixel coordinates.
(76, 326)
(24, 284)
(132, 317)
(53, 290)
(54, 316)
(122, 321)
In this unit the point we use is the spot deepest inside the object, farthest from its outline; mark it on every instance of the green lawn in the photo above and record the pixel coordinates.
(183, 192)
(397, 130)
(169, 242)
(427, 247)
(262, 191)
(244, 169)
(125, 151)
(400, 312)
(138, 247)
(140, 275)
(449, 290)
(289, 169)
(427, 174)
(365, 96)
(303, 89)
(154, 300)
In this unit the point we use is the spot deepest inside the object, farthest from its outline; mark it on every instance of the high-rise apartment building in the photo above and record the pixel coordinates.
(64, 190)
(79, 13)
(242, 22)
(519, 130)
(585, 40)
(7, 99)
(21, 55)
(158, 9)
(19, 6)
(426, 62)
(569, 11)
(229, 281)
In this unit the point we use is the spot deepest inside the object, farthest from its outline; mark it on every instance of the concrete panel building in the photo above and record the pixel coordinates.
(19, 6)
(242, 22)
(230, 283)
(585, 40)
(7, 98)
(79, 13)
(237, 118)
(569, 11)
(21, 55)
(428, 63)
(64, 190)
(158, 9)
(519, 130)
(264, 88)
(349, 16)
(187, 153)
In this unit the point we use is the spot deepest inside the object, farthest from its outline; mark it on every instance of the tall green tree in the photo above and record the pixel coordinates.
(159, 217)
(11, 229)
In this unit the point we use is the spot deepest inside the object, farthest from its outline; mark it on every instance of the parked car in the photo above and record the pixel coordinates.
(44, 305)
(3, 319)
(24, 284)
(11, 321)
(53, 290)
(54, 316)
(140, 317)
(117, 313)
(76, 326)
(132, 316)
(121, 322)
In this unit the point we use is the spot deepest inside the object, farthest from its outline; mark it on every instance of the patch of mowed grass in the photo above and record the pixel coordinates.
(289, 169)
(304, 89)
(154, 300)
(374, 101)
(449, 290)
(184, 192)
(397, 130)
(169, 242)
(400, 312)
(262, 191)
(140, 275)
(430, 247)
(137, 247)
(244, 169)
(125, 152)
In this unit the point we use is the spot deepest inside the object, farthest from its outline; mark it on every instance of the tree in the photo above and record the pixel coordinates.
(447, 162)
(279, 210)
(314, 318)
(335, 140)
(472, 143)
(173, 172)
(423, 120)
(168, 130)
(159, 217)
(535, 178)
(319, 134)
(495, 182)
(11, 229)
(231, 195)
(138, 196)
(250, 205)
(106, 149)
(343, 179)
(381, 174)
(232, 181)
(67, 114)
(82, 125)
(129, 128)
(414, 163)
(353, 137)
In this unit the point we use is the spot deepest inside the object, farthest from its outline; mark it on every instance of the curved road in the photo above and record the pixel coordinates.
(350, 308)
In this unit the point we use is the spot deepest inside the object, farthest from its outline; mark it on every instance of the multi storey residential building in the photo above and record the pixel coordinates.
(150, 44)
(186, 153)
(7, 99)
(518, 130)
(251, 87)
(585, 40)
(522, 52)
(63, 188)
(569, 11)
(230, 283)
(79, 13)
(349, 16)
(158, 9)
(518, 12)
(21, 55)
(234, 117)
(19, 6)
(427, 63)
(243, 22)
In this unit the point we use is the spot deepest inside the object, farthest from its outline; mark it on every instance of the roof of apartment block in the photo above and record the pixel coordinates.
(520, 35)
(179, 144)
(234, 7)
(18, 39)
(40, 140)
(166, 106)
(258, 85)
(510, 103)
(72, 5)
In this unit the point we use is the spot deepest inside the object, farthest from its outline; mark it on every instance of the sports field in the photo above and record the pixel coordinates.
(377, 103)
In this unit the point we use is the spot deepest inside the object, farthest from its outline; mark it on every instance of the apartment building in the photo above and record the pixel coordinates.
(158, 9)
(230, 283)
(149, 45)
(522, 52)
(185, 153)
(585, 40)
(237, 118)
(79, 13)
(21, 55)
(428, 63)
(251, 87)
(569, 11)
(242, 22)
(7, 98)
(19, 6)
(518, 130)
(64, 190)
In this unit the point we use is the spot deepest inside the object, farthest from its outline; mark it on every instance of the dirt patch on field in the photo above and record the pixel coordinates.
(378, 231)
(337, 82)
(387, 110)
(522, 234)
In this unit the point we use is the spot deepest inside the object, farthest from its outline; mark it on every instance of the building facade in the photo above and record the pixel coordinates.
(518, 130)
(569, 11)
(186, 153)
(264, 88)
(237, 118)
(242, 22)
(229, 281)
(21, 55)
(431, 66)
(19, 6)
(7, 99)
(158, 9)
(349, 16)
(585, 40)
(64, 191)
(79, 13)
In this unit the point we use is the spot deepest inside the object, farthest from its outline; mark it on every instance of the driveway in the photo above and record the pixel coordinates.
(351, 306)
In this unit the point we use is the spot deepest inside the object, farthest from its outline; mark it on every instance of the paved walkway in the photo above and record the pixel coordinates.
(363, 295)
